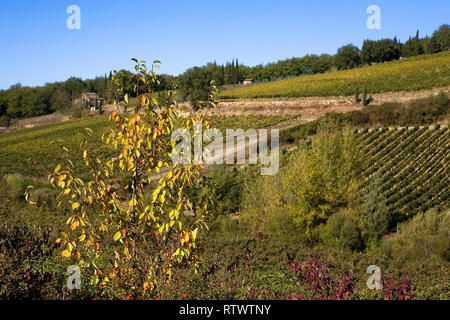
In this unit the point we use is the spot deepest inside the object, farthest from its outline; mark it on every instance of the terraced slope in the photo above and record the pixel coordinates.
(35, 152)
(412, 74)
(410, 166)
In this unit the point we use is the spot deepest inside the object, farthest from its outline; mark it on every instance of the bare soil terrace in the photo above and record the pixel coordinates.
(311, 108)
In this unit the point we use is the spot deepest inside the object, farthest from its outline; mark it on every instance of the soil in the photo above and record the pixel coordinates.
(307, 108)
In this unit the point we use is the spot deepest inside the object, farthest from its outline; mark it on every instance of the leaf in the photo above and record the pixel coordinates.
(74, 225)
(117, 235)
(194, 234)
(75, 205)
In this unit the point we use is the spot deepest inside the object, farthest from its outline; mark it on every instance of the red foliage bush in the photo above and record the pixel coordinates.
(317, 276)
(394, 291)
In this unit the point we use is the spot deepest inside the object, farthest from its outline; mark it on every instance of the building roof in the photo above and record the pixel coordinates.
(91, 95)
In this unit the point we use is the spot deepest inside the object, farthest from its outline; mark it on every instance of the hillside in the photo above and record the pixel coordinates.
(418, 73)
(408, 166)
(35, 152)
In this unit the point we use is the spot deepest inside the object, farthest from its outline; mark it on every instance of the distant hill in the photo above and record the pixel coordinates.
(417, 73)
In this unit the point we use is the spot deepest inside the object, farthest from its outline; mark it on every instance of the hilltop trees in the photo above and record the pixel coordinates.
(194, 82)
(347, 57)
(442, 37)
(19, 101)
(413, 47)
(380, 51)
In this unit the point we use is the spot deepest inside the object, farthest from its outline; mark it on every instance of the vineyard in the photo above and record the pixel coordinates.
(418, 73)
(36, 151)
(409, 166)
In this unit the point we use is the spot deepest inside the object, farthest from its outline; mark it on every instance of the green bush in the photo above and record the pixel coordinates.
(85, 113)
(226, 186)
(262, 200)
(13, 186)
(387, 113)
(373, 217)
(341, 231)
(424, 237)
(441, 102)
(316, 181)
(45, 196)
(4, 121)
(74, 111)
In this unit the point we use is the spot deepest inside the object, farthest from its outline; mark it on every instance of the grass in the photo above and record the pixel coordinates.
(418, 73)
(35, 152)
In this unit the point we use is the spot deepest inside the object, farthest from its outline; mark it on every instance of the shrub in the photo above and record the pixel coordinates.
(358, 118)
(85, 113)
(395, 291)
(4, 121)
(21, 277)
(75, 111)
(45, 196)
(373, 216)
(13, 186)
(341, 231)
(322, 179)
(387, 113)
(225, 186)
(316, 275)
(441, 102)
(424, 237)
(262, 200)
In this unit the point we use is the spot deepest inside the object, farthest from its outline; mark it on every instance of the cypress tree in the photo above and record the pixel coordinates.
(417, 44)
(238, 76)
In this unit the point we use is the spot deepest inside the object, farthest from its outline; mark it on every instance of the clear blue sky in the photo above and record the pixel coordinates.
(37, 47)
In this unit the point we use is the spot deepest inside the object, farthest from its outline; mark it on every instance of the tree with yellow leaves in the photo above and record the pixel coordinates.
(128, 230)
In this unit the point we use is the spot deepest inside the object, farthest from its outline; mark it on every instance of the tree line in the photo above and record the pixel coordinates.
(21, 101)
(194, 84)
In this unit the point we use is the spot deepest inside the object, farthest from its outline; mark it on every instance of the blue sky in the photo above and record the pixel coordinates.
(37, 47)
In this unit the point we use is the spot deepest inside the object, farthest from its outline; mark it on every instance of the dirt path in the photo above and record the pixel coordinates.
(311, 108)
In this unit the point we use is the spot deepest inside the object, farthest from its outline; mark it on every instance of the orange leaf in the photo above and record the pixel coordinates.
(74, 225)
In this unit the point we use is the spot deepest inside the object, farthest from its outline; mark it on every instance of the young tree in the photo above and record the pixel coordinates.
(128, 228)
